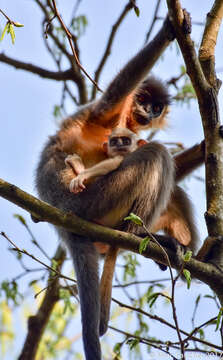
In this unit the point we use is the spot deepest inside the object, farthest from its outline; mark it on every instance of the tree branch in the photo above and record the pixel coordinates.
(37, 323)
(44, 212)
(70, 39)
(77, 76)
(153, 20)
(207, 48)
(188, 160)
(111, 38)
(209, 110)
(52, 75)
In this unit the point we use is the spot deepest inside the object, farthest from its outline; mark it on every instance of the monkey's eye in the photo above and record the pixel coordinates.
(142, 99)
(113, 141)
(126, 141)
(157, 109)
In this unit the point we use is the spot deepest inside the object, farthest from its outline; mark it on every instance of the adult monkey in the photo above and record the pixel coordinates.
(147, 174)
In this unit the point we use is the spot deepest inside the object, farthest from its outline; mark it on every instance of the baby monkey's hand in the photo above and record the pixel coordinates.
(77, 184)
(75, 162)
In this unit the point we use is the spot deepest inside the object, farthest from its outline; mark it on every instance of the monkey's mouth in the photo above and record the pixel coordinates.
(142, 119)
(122, 151)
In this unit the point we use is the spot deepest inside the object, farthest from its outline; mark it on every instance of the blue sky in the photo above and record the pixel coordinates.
(27, 101)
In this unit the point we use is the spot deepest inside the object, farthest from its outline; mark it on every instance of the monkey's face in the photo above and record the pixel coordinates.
(144, 111)
(149, 102)
(120, 145)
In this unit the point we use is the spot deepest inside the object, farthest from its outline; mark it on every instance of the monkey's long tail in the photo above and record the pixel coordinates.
(85, 260)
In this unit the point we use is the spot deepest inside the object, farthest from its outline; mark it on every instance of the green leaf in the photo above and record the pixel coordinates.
(143, 244)
(117, 348)
(187, 277)
(57, 111)
(219, 319)
(198, 299)
(12, 33)
(132, 343)
(187, 256)
(54, 264)
(79, 25)
(201, 333)
(10, 290)
(20, 218)
(152, 299)
(134, 218)
(33, 282)
(4, 31)
(17, 24)
(64, 295)
(137, 11)
(183, 69)
(130, 266)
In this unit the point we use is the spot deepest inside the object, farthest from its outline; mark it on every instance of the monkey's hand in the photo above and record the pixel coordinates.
(77, 184)
(74, 161)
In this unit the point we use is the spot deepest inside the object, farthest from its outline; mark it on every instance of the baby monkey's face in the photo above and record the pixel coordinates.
(121, 145)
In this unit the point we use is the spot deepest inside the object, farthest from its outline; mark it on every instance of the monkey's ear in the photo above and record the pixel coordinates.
(105, 147)
(141, 142)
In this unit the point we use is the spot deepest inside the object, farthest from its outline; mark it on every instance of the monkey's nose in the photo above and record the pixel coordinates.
(147, 107)
(119, 142)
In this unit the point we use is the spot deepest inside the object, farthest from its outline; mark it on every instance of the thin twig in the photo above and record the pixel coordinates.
(70, 39)
(110, 41)
(141, 282)
(34, 258)
(150, 342)
(199, 327)
(155, 17)
(6, 16)
(172, 298)
(164, 322)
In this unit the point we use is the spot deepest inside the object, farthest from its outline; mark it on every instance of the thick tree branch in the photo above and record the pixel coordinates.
(207, 48)
(188, 160)
(52, 75)
(45, 212)
(209, 110)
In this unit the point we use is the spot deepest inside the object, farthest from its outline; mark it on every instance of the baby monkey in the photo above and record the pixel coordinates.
(121, 142)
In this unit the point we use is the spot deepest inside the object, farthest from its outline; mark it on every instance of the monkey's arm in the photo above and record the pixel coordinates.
(75, 162)
(103, 168)
(74, 166)
(133, 73)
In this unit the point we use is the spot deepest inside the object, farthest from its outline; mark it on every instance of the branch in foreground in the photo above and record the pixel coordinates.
(207, 273)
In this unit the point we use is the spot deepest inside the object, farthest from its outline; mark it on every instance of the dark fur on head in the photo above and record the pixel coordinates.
(151, 99)
(156, 90)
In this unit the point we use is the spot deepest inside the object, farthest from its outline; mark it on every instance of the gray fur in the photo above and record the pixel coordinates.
(129, 185)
